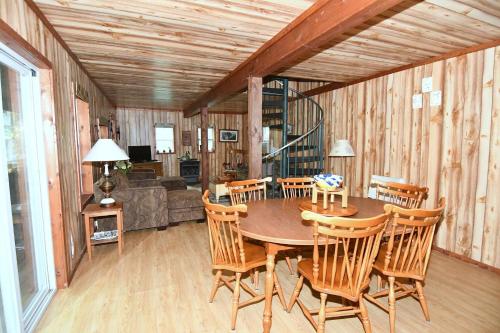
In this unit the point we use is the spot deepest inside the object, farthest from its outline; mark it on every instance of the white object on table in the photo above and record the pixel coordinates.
(372, 191)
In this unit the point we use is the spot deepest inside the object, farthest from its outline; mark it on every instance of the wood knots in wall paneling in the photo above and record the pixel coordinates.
(452, 149)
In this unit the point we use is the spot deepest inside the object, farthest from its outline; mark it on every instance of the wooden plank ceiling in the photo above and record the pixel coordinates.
(166, 53)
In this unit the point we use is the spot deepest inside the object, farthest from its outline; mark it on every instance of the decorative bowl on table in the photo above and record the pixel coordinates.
(329, 185)
(328, 181)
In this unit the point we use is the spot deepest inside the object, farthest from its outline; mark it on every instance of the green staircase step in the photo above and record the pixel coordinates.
(304, 159)
(305, 172)
(292, 137)
(276, 126)
(272, 104)
(272, 91)
(272, 115)
(295, 148)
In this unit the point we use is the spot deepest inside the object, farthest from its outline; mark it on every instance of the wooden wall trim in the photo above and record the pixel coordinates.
(337, 85)
(18, 44)
(54, 183)
(31, 4)
(305, 36)
(466, 259)
(204, 149)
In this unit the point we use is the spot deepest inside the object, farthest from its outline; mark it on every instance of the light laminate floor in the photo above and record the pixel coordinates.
(162, 281)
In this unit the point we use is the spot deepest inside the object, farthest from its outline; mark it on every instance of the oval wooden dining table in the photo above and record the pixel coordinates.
(278, 224)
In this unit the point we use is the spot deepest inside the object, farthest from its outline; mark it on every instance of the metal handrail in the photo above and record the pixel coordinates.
(303, 135)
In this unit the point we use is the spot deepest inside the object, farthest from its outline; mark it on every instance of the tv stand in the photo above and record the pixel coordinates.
(157, 166)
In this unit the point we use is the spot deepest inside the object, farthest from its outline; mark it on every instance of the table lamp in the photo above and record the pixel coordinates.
(106, 150)
(342, 148)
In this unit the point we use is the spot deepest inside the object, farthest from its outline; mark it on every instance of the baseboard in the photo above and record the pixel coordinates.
(466, 259)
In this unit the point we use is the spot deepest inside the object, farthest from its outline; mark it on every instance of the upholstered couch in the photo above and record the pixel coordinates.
(145, 200)
(151, 202)
(183, 204)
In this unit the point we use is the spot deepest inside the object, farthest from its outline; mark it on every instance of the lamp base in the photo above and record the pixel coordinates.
(107, 202)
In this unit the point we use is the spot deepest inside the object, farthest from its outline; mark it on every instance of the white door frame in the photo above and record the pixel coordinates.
(32, 119)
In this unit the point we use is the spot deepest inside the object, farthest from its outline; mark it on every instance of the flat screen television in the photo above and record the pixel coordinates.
(139, 153)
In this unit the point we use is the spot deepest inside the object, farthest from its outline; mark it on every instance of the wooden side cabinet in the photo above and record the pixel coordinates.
(157, 166)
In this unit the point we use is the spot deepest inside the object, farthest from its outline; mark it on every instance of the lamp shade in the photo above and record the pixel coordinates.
(105, 150)
(341, 148)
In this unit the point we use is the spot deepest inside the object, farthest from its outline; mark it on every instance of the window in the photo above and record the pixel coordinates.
(165, 143)
(265, 140)
(265, 134)
(211, 146)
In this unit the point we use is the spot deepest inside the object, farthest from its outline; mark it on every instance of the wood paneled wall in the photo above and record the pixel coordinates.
(137, 128)
(453, 149)
(65, 72)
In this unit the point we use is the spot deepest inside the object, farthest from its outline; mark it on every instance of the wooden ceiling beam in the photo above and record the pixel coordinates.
(452, 54)
(311, 31)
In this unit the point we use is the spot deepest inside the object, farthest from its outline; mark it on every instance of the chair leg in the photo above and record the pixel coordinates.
(423, 302)
(296, 292)
(364, 315)
(236, 299)
(379, 282)
(215, 286)
(279, 290)
(299, 259)
(289, 264)
(392, 305)
(256, 279)
(322, 314)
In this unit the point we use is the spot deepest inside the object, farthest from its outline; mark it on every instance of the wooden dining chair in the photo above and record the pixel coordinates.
(342, 266)
(243, 191)
(406, 256)
(296, 187)
(404, 195)
(232, 254)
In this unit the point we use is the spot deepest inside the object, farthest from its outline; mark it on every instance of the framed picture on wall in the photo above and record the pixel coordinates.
(186, 138)
(226, 135)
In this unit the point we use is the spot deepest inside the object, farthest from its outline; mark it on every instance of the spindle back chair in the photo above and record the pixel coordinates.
(296, 187)
(243, 191)
(226, 243)
(406, 255)
(343, 255)
(230, 252)
(404, 195)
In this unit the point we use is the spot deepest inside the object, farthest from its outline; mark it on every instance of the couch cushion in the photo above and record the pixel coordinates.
(186, 214)
(184, 199)
(141, 174)
(173, 183)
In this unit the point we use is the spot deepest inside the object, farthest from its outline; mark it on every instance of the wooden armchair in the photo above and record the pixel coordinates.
(406, 256)
(296, 187)
(231, 253)
(243, 191)
(404, 195)
(348, 249)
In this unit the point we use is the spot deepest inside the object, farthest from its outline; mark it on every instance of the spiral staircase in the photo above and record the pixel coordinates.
(295, 123)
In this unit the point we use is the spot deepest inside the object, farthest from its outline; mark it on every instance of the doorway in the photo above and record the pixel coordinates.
(27, 278)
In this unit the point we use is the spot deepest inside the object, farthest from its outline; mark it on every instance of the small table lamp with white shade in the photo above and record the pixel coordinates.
(106, 150)
(342, 148)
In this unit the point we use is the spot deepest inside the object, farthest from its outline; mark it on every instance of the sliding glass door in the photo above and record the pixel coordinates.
(26, 266)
